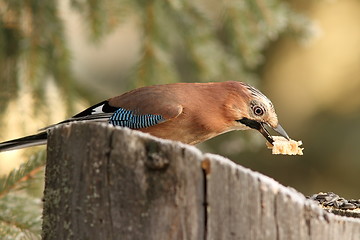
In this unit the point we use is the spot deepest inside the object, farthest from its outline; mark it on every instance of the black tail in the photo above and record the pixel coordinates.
(28, 141)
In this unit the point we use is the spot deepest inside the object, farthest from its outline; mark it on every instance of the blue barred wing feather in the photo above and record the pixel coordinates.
(127, 118)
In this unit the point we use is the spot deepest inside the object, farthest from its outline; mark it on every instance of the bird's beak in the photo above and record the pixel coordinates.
(260, 126)
(268, 136)
(281, 131)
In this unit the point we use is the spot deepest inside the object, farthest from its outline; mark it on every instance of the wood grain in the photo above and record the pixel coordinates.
(110, 183)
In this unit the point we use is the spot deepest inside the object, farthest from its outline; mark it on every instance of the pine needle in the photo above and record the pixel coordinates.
(19, 178)
(20, 216)
(20, 209)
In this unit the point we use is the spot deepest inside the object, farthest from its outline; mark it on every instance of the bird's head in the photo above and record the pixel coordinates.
(257, 112)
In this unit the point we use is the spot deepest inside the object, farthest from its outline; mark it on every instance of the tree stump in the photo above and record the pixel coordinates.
(104, 182)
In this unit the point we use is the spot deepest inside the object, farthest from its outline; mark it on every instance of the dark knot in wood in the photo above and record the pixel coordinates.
(155, 158)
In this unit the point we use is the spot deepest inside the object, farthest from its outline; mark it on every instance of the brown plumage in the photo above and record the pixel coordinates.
(187, 112)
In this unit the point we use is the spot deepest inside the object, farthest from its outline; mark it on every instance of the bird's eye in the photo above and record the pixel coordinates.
(258, 111)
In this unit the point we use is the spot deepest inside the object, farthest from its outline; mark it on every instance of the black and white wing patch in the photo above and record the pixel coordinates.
(119, 116)
(127, 118)
(100, 109)
(100, 112)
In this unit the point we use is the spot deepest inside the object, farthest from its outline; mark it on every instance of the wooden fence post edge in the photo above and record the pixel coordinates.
(104, 182)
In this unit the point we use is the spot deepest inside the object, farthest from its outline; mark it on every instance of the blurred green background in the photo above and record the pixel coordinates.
(58, 57)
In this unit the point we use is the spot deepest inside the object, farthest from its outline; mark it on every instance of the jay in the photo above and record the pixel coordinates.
(187, 112)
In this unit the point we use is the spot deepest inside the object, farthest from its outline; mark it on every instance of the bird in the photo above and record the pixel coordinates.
(190, 113)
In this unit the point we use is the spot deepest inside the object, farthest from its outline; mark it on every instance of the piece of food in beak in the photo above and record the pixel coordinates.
(261, 128)
(284, 146)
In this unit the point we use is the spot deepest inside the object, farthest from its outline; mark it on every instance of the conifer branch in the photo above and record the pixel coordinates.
(17, 178)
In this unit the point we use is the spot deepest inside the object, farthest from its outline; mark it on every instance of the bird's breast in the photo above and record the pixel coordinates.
(189, 128)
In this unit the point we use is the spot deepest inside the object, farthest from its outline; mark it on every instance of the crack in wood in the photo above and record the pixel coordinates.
(277, 229)
(205, 164)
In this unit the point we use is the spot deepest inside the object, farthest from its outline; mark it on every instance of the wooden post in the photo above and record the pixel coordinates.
(109, 183)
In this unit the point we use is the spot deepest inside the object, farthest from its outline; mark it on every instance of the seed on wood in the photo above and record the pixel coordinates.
(347, 206)
(332, 202)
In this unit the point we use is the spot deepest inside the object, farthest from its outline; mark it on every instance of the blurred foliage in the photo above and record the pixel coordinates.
(183, 41)
(102, 17)
(191, 41)
(20, 200)
(32, 41)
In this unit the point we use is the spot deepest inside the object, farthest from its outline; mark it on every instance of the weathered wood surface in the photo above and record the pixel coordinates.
(108, 183)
